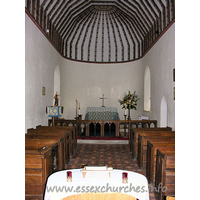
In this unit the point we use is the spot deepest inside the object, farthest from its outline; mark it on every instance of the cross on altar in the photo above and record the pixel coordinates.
(103, 100)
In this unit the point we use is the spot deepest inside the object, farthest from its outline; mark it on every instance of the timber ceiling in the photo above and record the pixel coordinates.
(99, 30)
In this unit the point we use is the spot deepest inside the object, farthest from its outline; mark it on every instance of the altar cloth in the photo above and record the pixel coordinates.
(57, 186)
(101, 113)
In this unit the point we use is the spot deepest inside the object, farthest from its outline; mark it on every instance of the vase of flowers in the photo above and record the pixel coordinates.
(129, 101)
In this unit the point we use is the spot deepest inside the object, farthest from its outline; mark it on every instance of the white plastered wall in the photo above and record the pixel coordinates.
(41, 60)
(88, 81)
(161, 61)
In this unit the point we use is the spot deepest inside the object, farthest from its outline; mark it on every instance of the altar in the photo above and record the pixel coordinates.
(102, 113)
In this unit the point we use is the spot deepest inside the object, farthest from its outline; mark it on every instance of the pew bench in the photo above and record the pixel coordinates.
(40, 162)
(34, 140)
(165, 174)
(63, 137)
(72, 131)
(151, 157)
(134, 136)
(142, 145)
(146, 133)
(57, 159)
(65, 133)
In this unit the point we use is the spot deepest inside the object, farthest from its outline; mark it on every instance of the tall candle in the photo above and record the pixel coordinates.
(125, 111)
(76, 107)
(79, 105)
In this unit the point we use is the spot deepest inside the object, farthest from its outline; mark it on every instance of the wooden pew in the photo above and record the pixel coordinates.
(34, 140)
(72, 132)
(165, 174)
(38, 166)
(146, 133)
(151, 157)
(60, 132)
(154, 137)
(134, 137)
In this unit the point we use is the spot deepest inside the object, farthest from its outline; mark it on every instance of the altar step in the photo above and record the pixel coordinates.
(102, 140)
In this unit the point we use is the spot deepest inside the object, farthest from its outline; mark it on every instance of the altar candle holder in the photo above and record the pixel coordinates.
(69, 176)
(124, 177)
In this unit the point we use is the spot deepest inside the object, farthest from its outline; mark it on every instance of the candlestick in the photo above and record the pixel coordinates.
(125, 117)
(76, 108)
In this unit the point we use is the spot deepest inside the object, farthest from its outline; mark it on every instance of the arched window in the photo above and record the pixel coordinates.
(163, 112)
(147, 89)
(57, 81)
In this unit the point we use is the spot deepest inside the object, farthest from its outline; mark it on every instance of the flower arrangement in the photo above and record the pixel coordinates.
(129, 101)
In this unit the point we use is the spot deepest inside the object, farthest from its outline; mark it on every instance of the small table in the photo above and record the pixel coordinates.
(57, 186)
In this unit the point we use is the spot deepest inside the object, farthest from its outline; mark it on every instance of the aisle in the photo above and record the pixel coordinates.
(116, 156)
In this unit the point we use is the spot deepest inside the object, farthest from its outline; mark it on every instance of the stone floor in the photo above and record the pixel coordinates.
(117, 156)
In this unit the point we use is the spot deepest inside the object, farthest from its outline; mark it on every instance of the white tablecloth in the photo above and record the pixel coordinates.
(57, 186)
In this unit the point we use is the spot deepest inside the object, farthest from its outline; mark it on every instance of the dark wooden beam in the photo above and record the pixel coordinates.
(28, 5)
(164, 14)
(62, 24)
(173, 9)
(33, 8)
(126, 38)
(133, 29)
(38, 11)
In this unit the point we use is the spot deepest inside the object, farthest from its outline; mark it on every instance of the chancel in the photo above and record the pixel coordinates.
(121, 53)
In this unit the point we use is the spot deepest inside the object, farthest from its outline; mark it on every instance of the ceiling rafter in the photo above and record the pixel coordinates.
(67, 21)
(125, 34)
(102, 30)
(137, 13)
(128, 29)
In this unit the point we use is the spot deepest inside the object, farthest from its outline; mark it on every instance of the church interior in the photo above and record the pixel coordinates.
(82, 58)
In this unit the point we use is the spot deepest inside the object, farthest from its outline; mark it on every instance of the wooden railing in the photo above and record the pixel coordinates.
(114, 128)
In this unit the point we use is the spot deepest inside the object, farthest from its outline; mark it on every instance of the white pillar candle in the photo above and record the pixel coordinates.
(125, 112)
(76, 107)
